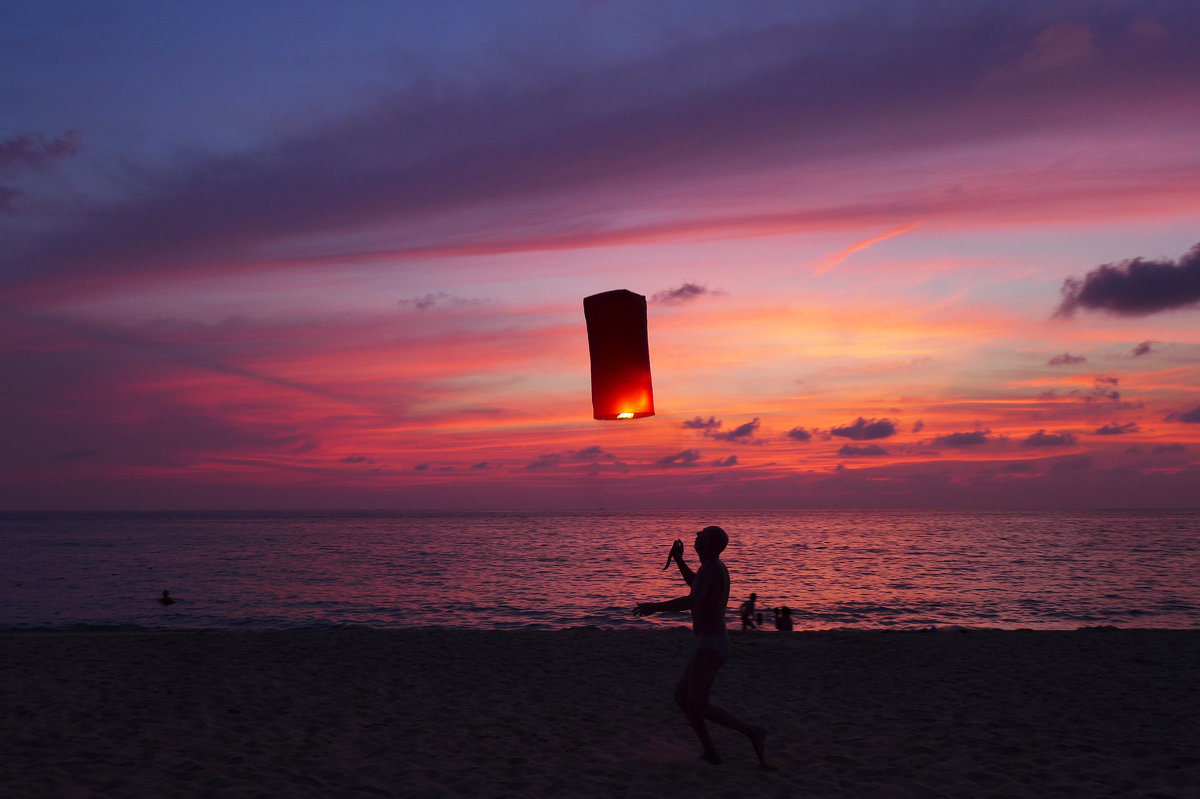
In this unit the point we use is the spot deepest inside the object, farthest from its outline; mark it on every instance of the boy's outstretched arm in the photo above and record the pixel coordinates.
(649, 608)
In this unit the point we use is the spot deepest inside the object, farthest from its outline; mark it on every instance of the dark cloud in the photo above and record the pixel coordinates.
(700, 424)
(149, 340)
(355, 459)
(1187, 417)
(857, 452)
(689, 457)
(1103, 390)
(8, 196)
(1017, 467)
(1145, 348)
(972, 439)
(589, 454)
(918, 426)
(551, 459)
(742, 433)
(1066, 359)
(77, 454)
(31, 150)
(545, 461)
(866, 430)
(437, 299)
(1135, 288)
(710, 106)
(34, 149)
(421, 467)
(799, 434)
(678, 296)
(1043, 439)
(1073, 463)
(151, 434)
(481, 465)
(1169, 449)
(426, 301)
(729, 461)
(1115, 429)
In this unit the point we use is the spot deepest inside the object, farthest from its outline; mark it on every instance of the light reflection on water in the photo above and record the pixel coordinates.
(834, 569)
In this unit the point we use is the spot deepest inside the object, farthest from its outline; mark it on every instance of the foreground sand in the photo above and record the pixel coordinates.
(323, 713)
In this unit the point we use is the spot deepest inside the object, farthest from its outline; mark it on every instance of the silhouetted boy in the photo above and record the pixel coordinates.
(707, 601)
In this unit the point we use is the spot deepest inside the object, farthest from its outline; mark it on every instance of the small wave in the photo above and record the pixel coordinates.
(79, 627)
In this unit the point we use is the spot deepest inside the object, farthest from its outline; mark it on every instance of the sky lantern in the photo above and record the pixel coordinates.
(616, 325)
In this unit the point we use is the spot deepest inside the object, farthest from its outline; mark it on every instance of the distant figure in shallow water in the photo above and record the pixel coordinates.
(747, 613)
(783, 619)
(165, 599)
(707, 601)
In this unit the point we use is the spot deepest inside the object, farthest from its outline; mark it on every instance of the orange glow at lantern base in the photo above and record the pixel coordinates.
(636, 408)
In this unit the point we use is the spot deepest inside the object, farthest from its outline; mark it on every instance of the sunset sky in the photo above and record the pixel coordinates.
(334, 255)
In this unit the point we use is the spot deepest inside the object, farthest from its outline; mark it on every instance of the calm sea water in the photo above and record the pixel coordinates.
(510, 570)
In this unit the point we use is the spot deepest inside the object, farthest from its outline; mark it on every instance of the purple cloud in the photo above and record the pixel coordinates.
(972, 439)
(700, 424)
(589, 454)
(1115, 429)
(1066, 359)
(1072, 463)
(550, 460)
(1043, 439)
(705, 106)
(729, 461)
(866, 430)
(34, 149)
(678, 296)
(1135, 288)
(31, 150)
(740, 434)
(689, 457)
(8, 196)
(80, 453)
(1187, 417)
(799, 434)
(545, 461)
(870, 450)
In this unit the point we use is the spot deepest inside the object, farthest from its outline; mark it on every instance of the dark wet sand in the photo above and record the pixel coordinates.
(323, 713)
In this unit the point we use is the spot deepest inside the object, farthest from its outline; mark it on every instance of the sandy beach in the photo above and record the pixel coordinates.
(425, 713)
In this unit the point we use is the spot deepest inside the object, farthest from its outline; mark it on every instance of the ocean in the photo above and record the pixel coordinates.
(835, 570)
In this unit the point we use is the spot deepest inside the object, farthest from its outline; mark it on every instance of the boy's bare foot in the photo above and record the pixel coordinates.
(758, 737)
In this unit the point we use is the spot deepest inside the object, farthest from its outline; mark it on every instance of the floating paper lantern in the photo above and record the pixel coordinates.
(616, 325)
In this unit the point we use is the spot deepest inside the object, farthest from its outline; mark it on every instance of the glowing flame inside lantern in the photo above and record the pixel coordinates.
(626, 415)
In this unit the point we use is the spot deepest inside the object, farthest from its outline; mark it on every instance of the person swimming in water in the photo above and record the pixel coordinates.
(165, 599)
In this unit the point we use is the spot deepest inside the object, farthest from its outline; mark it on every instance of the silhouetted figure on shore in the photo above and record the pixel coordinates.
(165, 599)
(707, 600)
(747, 613)
(783, 619)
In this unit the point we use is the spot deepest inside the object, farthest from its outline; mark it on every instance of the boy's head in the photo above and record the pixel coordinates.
(711, 541)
